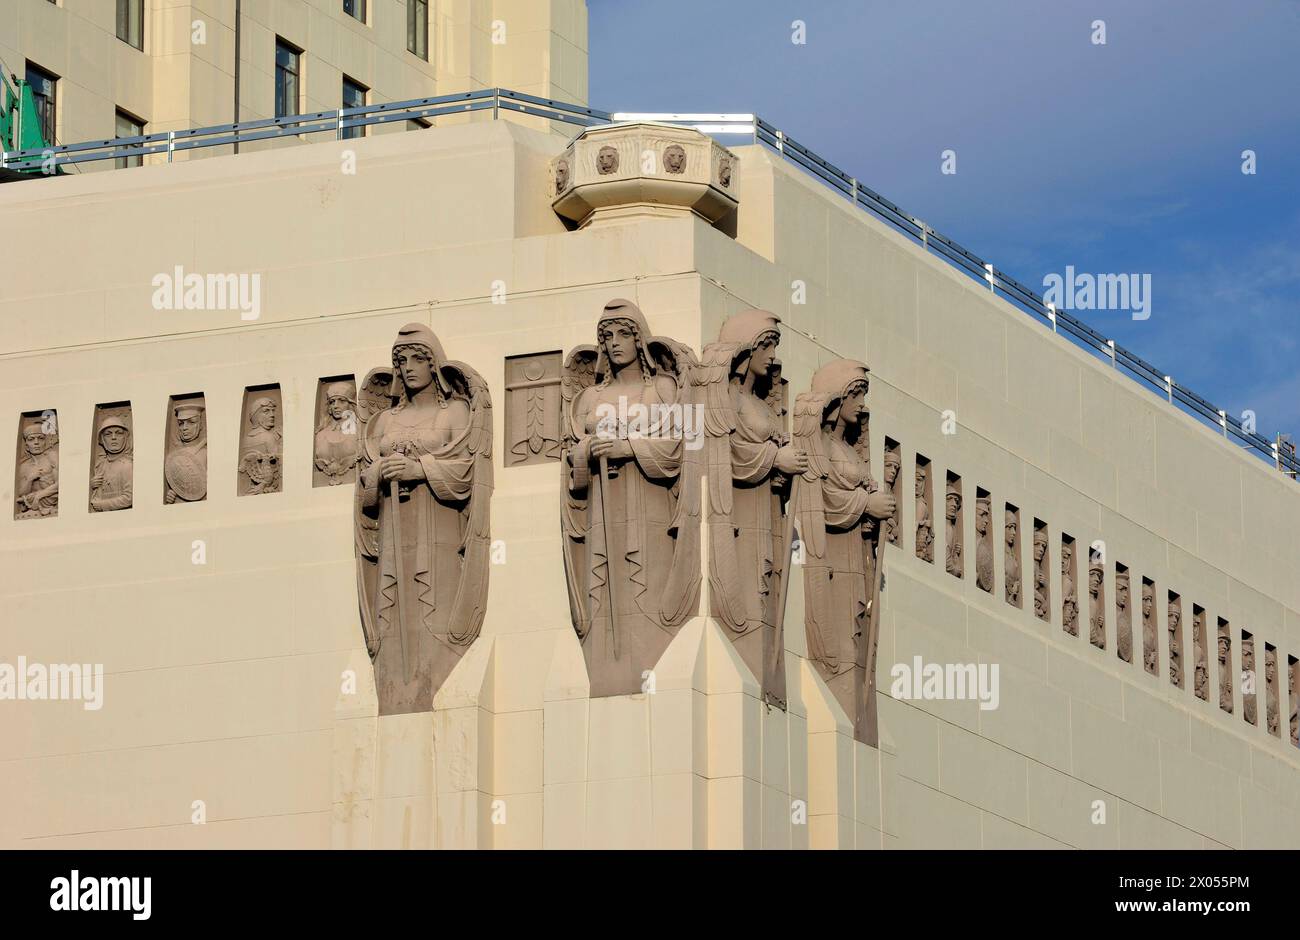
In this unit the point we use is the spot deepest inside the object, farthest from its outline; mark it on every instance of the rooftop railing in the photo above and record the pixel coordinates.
(340, 121)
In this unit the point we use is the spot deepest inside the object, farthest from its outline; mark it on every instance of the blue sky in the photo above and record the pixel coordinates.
(1123, 157)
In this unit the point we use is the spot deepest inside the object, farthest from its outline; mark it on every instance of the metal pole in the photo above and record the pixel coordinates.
(171, 145)
(238, 30)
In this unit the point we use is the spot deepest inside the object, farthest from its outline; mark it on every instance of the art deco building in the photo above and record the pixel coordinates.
(192, 351)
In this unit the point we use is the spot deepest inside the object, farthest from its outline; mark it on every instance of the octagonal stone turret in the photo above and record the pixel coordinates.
(643, 169)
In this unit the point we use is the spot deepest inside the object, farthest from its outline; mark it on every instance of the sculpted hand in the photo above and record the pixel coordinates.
(790, 461)
(401, 468)
(881, 504)
(169, 497)
(610, 447)
(97, 481)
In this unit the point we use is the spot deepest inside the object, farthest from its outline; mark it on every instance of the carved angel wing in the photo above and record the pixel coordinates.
(470, 604)
(372, 398)
(676, 359)
(712, 387)
(578, 375)
(809, 408)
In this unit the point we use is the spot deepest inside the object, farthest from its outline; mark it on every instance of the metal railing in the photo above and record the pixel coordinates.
(496, 100)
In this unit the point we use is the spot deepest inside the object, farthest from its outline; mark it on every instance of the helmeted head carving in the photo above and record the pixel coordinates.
(952, 501)
(1095, 575)
(983, 508)
(338, 400)
(417, 362)
(35, 440)
(262, 414)
(114, 436)
(189, 422)
(1148, 599)
(1011, 525)
(893, 463)
(1121, 589)
(1040, 544)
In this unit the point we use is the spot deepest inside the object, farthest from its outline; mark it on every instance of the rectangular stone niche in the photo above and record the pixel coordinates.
(1223, 640)
(1293, 682)
(1012, 580)
(1123, 614)
(261, 442)
(1150, 637)
(336, 441)
(532, 422)
(1272, 694)
(1200, 654)
(1174, 620)
(112, 458)
(185, 450)
(893, 463)
(1042, 561)
(36, 465)
(954, 529)
(1069, 586)
(1249, 680)
(1096, 598)
(983, 540)
(924, 509)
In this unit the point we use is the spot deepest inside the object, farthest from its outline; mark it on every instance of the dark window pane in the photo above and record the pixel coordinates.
(43, 86)
(417, 27)
(354, 96)
(130, 22)
(286, 79)
(355, 8)
(128, 126)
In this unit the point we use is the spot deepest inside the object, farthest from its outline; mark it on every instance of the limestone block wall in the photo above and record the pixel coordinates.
(227, 682)
(1043, 426)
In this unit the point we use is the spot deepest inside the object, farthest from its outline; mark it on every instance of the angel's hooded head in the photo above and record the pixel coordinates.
(756, 334)
(844, 382)
(417, 361)
(621, 337)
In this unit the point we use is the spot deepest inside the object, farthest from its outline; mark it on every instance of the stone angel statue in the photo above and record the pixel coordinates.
(840, 510)
(631, 502)
(750, 462)
(422, 519)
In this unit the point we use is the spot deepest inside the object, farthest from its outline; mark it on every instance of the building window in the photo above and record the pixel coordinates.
(130, 22)
(45, 90)
(128, 126)
(417, 28)
(354, 96)
(355, 9)
(288, 63)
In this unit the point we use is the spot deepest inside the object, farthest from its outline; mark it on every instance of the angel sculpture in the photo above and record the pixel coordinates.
(422, 536)
(750, 461)
(840, 507)
(630, 513)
